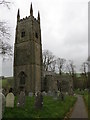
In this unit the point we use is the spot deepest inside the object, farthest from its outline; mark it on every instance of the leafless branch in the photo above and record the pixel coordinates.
(5, 3)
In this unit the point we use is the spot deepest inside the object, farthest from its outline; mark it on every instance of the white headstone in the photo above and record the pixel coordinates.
(10, 100)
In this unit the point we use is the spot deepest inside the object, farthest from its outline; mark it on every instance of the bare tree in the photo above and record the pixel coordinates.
(5, 47)
(84, 68)
(60, 64)
(5, 3)
(48, 60)
(53, 65)
(70, 68)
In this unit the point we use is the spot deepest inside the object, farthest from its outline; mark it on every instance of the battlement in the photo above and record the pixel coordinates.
(28, 17)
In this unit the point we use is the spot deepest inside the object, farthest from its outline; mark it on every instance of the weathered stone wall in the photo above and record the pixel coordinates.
(51, 82)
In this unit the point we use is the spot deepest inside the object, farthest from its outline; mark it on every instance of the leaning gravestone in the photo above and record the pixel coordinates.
(21, 99)
(10, 100)
(2, 105)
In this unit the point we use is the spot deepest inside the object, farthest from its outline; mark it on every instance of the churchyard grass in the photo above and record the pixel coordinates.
(87, 102)
(51, 108)
(86, 99)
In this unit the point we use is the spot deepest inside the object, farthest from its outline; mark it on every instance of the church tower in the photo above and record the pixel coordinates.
(28, 54)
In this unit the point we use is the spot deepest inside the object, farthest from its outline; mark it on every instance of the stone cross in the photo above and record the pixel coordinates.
(10, 100)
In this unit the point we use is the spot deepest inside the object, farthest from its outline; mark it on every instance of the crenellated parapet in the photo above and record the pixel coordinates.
(28, 17)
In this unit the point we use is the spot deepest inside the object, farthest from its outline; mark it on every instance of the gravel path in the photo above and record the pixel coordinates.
(79, 109)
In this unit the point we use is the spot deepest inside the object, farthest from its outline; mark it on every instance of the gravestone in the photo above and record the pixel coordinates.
(44, 93)
(50, 93)
(2, 104)
(38, 101)
(55, 95)
(10, 100)
(21, 99)
(66, 93)
(30, 94)
(62, 96)
(58, 94)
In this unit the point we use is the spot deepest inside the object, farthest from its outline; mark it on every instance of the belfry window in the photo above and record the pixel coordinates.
(23, 34)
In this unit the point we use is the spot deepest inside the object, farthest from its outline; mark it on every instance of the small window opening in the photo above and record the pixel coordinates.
(36, 35)
(23, 34)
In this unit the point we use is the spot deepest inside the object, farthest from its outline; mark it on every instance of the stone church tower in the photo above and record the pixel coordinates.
(28, 54)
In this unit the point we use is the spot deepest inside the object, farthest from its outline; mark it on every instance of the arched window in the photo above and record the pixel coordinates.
(22, 77)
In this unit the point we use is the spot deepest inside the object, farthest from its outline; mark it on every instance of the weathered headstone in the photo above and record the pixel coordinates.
(30, 94)
(21, 99)
(55, 95)
(38, 101)
(66, 93)
(44, 93)
(50, 93)
(58, 93)
(2, 104)
(62, 96)
(10, 100)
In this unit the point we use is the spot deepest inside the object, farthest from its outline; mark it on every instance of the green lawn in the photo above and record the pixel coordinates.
(51, 108)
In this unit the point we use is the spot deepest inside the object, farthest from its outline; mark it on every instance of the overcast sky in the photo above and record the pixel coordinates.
(64, 25)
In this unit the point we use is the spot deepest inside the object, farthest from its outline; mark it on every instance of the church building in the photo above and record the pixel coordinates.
(28, 54)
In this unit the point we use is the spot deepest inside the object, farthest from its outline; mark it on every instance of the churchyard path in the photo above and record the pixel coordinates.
(79, 110)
